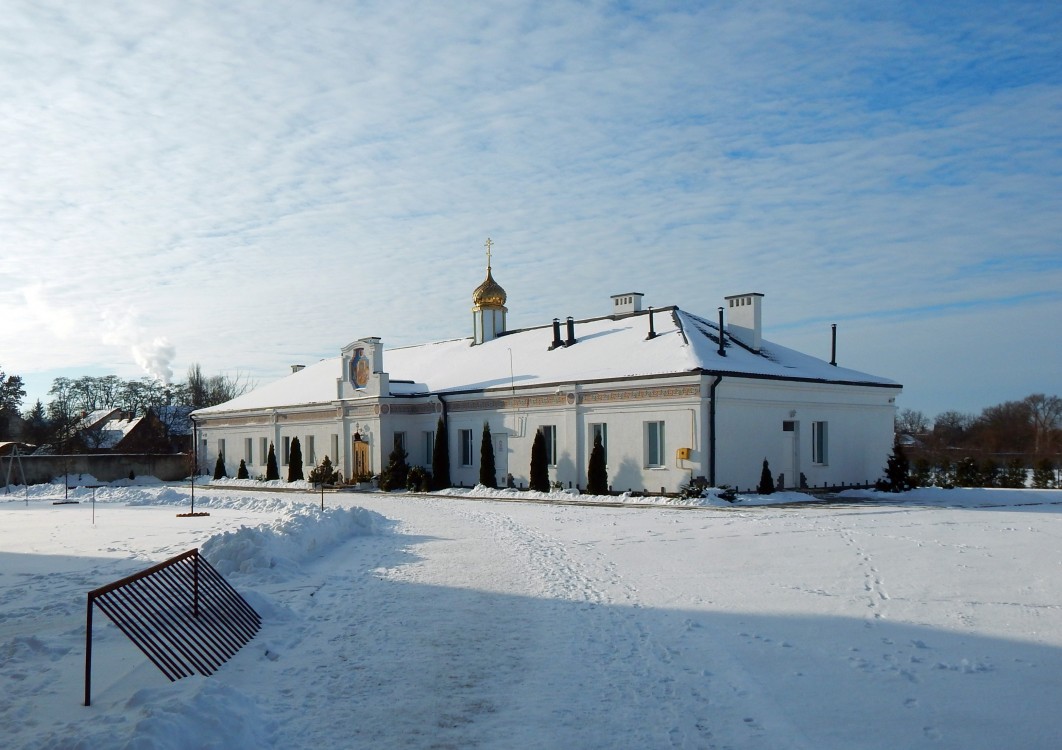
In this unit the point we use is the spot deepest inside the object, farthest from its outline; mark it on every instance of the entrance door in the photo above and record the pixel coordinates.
(791, 453)
(501, 458)
(362, 465)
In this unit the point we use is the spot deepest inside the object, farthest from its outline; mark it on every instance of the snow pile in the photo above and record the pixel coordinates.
(304, 532)
(712, 497)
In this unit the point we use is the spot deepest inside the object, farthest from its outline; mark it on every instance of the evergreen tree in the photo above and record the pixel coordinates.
(440, 459)
(219, 467)
(766, 485)
(272, 472)
(241, 473)
(539, 478)
(488, 474)
(596, 473)
(325, 473)
(968, 473)
(944, 476)
(1044, 475)
(1013, 474)
(37, 427)
(295, 461)
(897, 471)
(396, 472)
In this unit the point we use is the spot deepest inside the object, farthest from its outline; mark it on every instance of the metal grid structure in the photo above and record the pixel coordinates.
(182, 614)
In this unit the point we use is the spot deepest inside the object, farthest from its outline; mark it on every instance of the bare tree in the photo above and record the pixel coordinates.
(911, 422)
(1046, 415)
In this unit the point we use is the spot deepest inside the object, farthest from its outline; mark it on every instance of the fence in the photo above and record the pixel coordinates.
(182, 614)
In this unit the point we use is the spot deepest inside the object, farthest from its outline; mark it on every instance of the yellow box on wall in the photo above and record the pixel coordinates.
(683, 454)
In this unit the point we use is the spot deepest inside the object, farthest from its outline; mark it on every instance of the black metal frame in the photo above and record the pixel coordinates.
(182, 614)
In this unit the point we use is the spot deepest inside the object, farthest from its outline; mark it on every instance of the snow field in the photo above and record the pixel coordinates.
(396, 621)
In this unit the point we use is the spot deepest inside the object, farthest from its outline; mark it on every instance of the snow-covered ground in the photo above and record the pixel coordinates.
(931, 619)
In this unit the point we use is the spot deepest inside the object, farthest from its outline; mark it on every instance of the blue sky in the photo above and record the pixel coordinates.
(249, 185)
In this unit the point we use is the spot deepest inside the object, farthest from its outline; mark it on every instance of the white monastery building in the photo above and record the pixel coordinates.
(673, 396)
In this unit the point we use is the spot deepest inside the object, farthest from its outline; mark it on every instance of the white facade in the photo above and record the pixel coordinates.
(670, 406)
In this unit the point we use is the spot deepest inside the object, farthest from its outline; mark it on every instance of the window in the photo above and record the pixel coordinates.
(599, 430)
(264, 452)
(285, 450)
(788, 426)
(465, 437)
(429, 446)
(819, 442)
(549, 432)
(221, 447)
(310, 455)
(335, 450)
(400, 441)
(654, 444)
(248, 444)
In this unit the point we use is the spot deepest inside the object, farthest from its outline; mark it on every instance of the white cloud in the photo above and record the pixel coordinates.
(265, 183)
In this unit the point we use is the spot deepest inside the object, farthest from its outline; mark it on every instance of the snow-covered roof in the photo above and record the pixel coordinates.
(115, 430)
(607, 348)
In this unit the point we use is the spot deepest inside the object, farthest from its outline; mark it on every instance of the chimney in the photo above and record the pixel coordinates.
(833, 345)
(722, 348)
(627, 303)
(652, 330)
(746, 319)
(556, 336)
(298, 368)
(571, 332)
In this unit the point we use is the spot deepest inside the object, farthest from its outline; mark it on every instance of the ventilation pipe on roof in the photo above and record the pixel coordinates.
(556, 335)
(833, 345)
(298, 368)
(652, 330)
(722, 349)
(571, 332)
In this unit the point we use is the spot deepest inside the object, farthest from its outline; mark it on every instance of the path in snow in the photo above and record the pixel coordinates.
(498, 625)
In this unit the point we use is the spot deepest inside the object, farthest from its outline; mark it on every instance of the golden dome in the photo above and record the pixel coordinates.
(489, 293)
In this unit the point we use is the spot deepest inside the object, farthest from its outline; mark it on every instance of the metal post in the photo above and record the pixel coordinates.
(88, 653)
(195, 585)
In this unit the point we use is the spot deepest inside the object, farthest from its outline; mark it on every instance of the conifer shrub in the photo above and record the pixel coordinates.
(418, 479)
(967, 473)
(295, 461)
(325, 473)
(272, 471)
(440, 459)
(766, 485)
(897, 472)
(394, 475)
(1043, 477)
(596, 471)
(241, 473)
(538, 479)
(1012, 475)
(219, 467)
(922, 472)
(488, 474)
(692, 489)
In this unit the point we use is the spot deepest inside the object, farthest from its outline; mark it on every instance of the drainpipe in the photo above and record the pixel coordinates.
(711, 434)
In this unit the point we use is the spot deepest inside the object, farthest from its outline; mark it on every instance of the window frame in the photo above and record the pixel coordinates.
(820, 443)
(595, 428)
(465, 445)
(549, 434)
(655, 433)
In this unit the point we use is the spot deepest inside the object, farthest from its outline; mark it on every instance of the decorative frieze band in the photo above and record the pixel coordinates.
(640, 394)
(692, 390)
